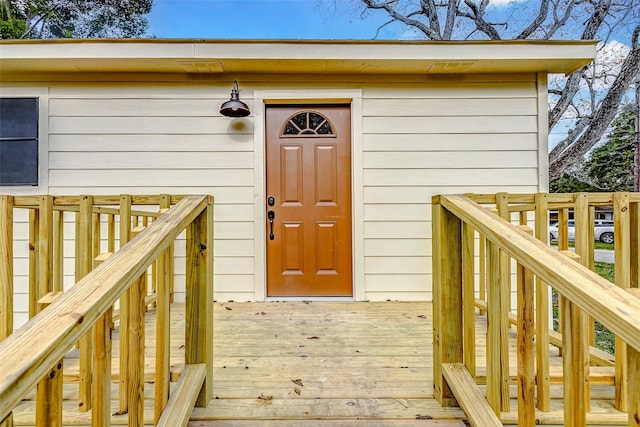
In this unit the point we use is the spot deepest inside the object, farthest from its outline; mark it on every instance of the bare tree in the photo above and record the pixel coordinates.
(589, 98)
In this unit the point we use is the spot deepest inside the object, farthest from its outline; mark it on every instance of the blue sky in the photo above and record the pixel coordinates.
(259, 19)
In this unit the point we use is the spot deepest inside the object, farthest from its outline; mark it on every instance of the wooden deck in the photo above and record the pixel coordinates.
(338, 362)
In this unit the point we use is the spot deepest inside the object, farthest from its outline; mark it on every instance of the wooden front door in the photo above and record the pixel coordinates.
(308, 201)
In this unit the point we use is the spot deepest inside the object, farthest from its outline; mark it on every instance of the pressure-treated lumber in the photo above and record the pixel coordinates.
(49, 388)
(125, 235)
(448, 339)
(6, 266)
(542, 310)
(493, 346)
(622, 267)
(84, 263)
(525, 345)
(26, 355)
(601, 299)
(633, 372)
(183, 397)
(101, 381)
(468, 298)
(199, 301)
(34, 293)
(135, 361)
(162, 326)
(471, 400)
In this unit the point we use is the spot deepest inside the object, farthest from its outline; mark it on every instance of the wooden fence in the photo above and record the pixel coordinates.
(136, 275)
(461, 226)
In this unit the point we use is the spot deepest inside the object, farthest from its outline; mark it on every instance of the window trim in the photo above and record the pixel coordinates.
(42, 94)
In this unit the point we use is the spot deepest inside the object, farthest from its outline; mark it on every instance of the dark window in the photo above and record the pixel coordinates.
(18, 141)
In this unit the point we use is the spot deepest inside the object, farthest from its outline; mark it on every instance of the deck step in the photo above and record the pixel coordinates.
(330, 423)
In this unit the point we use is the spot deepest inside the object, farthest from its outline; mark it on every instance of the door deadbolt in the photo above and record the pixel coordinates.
(271, 201)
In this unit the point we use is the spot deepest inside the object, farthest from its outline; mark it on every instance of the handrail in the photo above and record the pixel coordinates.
(459, 222)
(28, 354)
(596, 296)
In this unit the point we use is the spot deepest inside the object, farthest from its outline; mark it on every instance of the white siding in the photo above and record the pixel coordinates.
(471, 134)
(436, 139)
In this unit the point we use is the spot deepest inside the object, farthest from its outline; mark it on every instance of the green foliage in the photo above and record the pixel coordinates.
(570, 184)
(610, 165)
(73, 18)
(12, 22)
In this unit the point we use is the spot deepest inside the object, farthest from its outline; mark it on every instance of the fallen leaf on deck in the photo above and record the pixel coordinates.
(423, 417)
(297, 390)
(298, 382)
(422, 316)
(313, 338)
(263, 397)
(228, 308)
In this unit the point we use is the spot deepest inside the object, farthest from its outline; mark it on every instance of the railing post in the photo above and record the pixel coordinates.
(6, 266)
(622, 249)
(468, 298)
(102, 345)
(125, 235)
(525, 346)
(634, 252)
(447, 303)
(504, 278)
(575, 360)
(84, 263)
(162, 325)
(494, 312)
(6, 276)
(135, 368)
(49, 388)
(542, 310)
(633, 370)
(199, 298)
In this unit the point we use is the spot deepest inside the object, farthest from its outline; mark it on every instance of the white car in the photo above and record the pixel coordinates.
(603, 231)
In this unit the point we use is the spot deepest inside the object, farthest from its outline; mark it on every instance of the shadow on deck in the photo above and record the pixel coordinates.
(336, 362)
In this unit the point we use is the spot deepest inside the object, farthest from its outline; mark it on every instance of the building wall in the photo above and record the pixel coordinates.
(421, 136)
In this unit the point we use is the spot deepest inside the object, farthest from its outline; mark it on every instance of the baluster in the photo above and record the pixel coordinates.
(84, 263)
(542, 310)
(162, 325)
(525, 345)
(622, 267)
(102, 345)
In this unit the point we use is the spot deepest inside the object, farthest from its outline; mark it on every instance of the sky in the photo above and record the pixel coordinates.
(259, 19)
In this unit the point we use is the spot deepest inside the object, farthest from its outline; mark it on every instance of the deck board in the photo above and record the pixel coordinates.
(350, 362)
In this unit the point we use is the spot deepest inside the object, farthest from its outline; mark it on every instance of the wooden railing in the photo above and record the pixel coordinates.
(460, 228)
(33, 354)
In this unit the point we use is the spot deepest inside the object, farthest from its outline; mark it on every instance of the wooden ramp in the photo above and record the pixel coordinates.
(285, 364)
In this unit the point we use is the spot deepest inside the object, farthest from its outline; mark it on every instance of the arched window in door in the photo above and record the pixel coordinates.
(308, 123)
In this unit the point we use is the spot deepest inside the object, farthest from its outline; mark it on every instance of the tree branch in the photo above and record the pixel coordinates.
(388, 7)
(478, 18)
(452, 8)
(542, 14)
(603, 117)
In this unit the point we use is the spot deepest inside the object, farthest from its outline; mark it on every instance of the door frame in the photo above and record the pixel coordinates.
(351, 97)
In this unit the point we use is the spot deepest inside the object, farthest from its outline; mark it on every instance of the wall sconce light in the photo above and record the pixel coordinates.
(234, 107)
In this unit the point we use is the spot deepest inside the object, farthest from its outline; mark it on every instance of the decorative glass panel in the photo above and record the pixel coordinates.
(308, 123)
